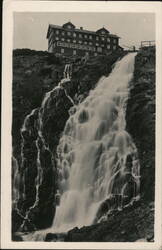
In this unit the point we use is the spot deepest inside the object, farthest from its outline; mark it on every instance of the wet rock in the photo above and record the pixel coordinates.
(16, 237)
(51, 237)
(129, 225)
(140, 117)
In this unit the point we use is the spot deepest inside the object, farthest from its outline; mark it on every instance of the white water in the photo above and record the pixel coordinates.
(93, 150)
(26, 127)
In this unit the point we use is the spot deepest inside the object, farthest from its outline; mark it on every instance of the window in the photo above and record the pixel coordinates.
(102, 45)
(57, 32)
(87, 53)
(74, 41)
(114, 47)
(69, 27)
(80, 35)
(74, 34)
(74, 52)
(97, 44)
(57, 38)
(62, 50)
(62, 39)
(90, 43)
(80, 41)
(85, 36)
(102, 38)
(68, 40)
(108, 39)
(85, 42)
(97, 38)
(99, 49)
(69, 33)
(95, 54)
(103, 32)
(108, 46)
(114, 41)
(90, 37)
(63, 33)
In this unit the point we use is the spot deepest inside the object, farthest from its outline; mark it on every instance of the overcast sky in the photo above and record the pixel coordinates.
(30, 29)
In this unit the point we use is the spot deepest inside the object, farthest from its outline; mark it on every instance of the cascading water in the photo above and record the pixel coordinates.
(97, 159)
(33, 144)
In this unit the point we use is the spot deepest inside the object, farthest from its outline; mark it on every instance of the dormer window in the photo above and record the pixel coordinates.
(69, 27)
(102, 32)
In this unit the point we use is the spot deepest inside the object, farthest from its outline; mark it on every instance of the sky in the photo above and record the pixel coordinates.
(30, 28)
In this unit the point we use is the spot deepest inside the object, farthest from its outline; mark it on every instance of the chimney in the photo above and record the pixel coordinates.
(81, 28)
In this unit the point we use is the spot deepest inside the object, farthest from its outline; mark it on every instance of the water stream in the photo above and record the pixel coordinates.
(97, 159)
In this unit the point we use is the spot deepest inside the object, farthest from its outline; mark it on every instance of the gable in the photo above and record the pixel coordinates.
(68, 25)
(102, 31)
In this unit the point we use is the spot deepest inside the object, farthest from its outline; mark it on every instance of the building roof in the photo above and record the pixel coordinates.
(68, 23)
(102, 29)
(78, 30)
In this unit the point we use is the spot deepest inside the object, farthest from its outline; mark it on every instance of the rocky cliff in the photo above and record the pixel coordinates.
(38, 120)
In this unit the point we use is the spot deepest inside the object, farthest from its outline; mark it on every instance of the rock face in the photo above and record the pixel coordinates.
(38, 121)
(141, 118)
(128, 225)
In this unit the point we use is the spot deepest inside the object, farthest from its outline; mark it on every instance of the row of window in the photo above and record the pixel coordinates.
(101, 46)
(75, 52)
(86, 53)
(80, 35)
(82, 42)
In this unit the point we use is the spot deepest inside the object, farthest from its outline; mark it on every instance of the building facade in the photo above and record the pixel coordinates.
(68, 41)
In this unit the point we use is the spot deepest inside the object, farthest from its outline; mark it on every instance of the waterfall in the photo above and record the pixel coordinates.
(67, 71)
(33, 148)
(97, 160)
(15, 181)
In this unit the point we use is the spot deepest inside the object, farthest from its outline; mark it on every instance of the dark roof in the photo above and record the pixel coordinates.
(102, 29)
(78, 30)
(68, 23)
